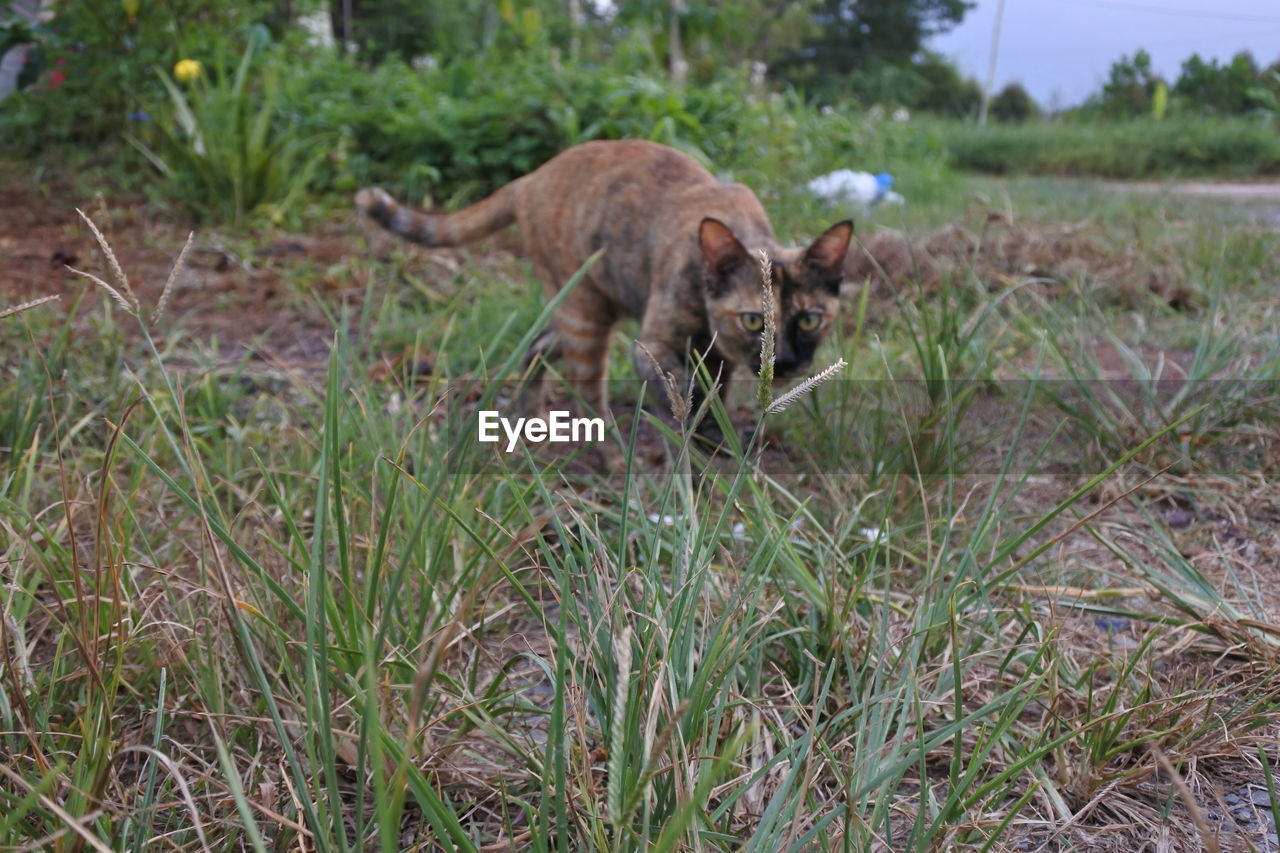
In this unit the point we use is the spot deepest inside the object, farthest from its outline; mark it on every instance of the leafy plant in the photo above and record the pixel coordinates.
(459, 132)
(225, 147)
(1268, 96)
(99, 59)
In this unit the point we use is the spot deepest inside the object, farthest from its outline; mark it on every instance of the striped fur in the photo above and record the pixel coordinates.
(678, 259)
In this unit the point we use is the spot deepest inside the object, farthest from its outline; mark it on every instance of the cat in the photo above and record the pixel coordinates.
(679, 257)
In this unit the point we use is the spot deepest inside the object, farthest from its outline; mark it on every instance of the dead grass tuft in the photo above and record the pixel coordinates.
(1081, 254)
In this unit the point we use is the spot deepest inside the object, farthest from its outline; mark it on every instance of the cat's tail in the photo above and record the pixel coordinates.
(467, 225)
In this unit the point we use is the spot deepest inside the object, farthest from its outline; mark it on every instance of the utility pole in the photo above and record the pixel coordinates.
(346, 14)
(679, 68)
(575, 28)
(991, 66)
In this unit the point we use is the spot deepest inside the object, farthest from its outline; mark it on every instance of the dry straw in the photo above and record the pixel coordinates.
(681, 403)
(24, 306)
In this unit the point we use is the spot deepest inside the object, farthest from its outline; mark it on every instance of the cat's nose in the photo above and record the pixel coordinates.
(786, 361)
(786, 366)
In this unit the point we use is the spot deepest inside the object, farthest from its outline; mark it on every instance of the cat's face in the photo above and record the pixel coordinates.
(806, 285)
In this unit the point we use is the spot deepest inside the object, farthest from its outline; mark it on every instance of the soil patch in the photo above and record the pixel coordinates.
(1253, 191)
(240, 303)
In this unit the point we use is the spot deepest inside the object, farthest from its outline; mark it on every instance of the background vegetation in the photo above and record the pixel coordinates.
(455, 99)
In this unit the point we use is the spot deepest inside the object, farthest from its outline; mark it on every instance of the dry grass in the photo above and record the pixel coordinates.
(1085, 255)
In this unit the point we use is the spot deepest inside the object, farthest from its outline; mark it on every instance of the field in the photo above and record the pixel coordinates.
(1135, 148)
(1008, 582)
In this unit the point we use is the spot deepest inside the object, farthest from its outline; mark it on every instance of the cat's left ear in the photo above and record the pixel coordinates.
(826, 254)
(722, 252)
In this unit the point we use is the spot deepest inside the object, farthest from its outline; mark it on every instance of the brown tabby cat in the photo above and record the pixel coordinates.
(679, 259)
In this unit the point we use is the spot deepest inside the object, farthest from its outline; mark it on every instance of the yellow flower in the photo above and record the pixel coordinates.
(186, 69)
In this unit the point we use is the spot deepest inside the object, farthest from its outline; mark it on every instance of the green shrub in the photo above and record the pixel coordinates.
(458, 132)
(224, 147)
(1014, 103)
(104, 55)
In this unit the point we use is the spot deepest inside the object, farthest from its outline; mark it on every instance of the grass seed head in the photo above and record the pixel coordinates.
(173, 277)
(122, 281)
(804, 387)
(768, 336)
(25, 306)
(680, 402)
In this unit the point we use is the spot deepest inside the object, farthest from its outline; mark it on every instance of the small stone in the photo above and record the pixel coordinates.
(1273, 839)
(1111, 624)
(1260, 797)
(1232, 799)
(1243, 815)
(1179, 517)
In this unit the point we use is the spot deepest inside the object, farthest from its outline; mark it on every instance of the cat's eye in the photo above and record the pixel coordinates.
(809, 321)
(752, 321)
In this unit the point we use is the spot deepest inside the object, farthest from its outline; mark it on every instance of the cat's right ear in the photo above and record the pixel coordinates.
(722, 253)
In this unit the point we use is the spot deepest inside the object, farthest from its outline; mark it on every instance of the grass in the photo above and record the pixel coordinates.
(943, 609)
(1139, 148)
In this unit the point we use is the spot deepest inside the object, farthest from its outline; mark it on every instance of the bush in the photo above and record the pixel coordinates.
(1130, 87)
(464, 130)
(1013, 103)
(928, 83)
(104, 56)
(224, 147)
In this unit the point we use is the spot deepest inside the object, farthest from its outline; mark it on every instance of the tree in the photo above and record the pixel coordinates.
(1129, 87)
(713, 34)
(381, 28)
(1212, 88)
(944, 90)
(851, 36)
(928, 83)
(1014, 104)
(452, 29)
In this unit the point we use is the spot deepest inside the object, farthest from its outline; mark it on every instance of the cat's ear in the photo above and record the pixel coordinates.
(722, 253)
(826, 254)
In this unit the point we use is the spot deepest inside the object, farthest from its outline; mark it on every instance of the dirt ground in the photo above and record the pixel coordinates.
(220, 296)
(1259, 200)
(1236, 191)
(241, 301)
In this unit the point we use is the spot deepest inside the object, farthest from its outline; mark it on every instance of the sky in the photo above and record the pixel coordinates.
(1062, 50)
